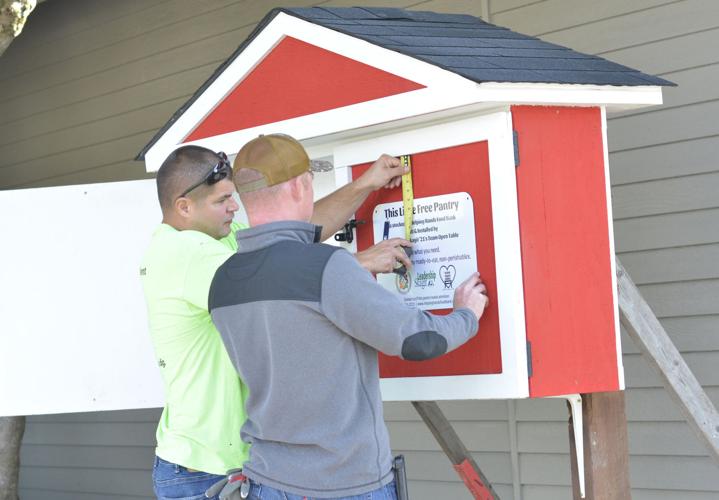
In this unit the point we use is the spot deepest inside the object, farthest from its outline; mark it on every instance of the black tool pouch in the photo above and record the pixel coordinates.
(400, 477)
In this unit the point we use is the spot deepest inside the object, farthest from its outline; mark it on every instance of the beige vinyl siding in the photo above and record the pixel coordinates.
(485, 430)
(89, 456)
(89, 82)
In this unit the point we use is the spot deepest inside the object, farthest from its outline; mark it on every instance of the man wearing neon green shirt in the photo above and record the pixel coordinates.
(198, 436)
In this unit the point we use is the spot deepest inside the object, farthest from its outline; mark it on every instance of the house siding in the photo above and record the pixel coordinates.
(665, 186)
(89, 83)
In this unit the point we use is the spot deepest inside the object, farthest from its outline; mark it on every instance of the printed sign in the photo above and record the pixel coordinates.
(444, 251)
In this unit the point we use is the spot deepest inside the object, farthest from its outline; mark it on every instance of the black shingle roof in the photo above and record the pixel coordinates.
(470, 47)
(459, 43)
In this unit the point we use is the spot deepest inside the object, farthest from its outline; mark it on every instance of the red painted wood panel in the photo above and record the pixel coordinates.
(451, 170)
(565, 250)
(298, 79)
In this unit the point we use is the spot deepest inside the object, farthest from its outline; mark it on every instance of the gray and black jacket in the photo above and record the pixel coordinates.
(302, 323)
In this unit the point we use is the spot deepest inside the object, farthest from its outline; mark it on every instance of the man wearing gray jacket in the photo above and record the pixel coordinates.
(302, 323)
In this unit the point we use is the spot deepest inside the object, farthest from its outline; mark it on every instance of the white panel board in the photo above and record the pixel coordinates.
(73, 325)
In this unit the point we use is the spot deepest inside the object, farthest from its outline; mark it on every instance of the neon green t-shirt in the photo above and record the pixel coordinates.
(204, 407)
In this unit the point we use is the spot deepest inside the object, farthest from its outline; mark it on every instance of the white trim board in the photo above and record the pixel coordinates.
(444, 90)
(612, 254)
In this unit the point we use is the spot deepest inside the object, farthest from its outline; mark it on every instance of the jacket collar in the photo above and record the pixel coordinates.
(264, 235)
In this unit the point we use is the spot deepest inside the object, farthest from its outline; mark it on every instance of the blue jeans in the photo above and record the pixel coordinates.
(262, 492)
(172, 481)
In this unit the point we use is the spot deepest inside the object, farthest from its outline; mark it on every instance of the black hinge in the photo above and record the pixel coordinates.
(346, 234)
(529, 358)
(515, 137)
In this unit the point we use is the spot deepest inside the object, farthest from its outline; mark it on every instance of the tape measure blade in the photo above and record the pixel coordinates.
(407, 197)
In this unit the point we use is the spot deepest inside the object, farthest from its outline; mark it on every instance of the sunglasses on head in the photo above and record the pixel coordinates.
(221, 170)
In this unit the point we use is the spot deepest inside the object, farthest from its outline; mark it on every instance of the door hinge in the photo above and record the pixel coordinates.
(515, 139)
(529, 359)
(346, 234)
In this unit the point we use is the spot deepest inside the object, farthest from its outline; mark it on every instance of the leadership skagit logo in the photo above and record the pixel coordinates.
(447, 275)
(403, 282)
(425, 279)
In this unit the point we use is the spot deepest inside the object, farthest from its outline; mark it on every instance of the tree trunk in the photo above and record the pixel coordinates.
(13, 14)
(11, 431)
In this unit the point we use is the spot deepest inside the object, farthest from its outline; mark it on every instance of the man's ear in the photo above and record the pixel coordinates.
(296, 188)
(183, 207)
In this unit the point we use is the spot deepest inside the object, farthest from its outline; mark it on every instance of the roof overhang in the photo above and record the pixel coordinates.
(440, 93)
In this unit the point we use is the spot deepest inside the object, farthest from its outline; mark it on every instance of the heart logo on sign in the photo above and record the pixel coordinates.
(447, 275)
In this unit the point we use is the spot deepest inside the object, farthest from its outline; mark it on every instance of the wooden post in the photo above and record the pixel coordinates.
(455, 450)
(606, 454)
(656, 346)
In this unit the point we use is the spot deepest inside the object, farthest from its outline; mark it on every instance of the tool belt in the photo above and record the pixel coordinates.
(233, 487)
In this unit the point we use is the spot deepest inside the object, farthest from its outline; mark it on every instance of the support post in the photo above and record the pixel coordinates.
(455, 450)
(606, 454)
(652, 340)
(11, 432)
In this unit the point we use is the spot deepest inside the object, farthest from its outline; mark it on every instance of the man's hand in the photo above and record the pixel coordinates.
(386, 172)
(333, 211)
(381, 258)
(472, 294)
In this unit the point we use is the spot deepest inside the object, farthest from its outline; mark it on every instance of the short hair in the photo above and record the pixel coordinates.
(181, 169)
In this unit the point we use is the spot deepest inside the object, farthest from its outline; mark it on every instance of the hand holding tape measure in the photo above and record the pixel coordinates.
(408, 205)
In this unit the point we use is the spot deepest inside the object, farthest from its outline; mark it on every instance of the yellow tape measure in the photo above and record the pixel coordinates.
(403, 278)
(407, 196)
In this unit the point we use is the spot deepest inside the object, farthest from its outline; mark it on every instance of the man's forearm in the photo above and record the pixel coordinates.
(377, 317)
(334, 210)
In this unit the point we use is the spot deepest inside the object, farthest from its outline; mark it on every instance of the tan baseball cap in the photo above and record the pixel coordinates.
(278, 157)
